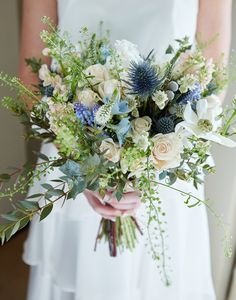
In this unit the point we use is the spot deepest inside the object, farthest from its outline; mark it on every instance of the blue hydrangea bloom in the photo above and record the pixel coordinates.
(85, 114)
(143, 78)
(191, 96)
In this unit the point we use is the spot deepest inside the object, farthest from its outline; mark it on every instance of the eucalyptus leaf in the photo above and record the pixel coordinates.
(46, 211)
(34, 196)
(78, 187)
(71, 168)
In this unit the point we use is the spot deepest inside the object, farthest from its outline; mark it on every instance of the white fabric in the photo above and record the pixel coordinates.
(60, 248)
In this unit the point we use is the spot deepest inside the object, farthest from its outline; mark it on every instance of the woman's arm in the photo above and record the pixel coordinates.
(214, 18)
(31, 44)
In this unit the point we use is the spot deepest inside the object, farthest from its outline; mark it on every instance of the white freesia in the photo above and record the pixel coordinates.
(107, 88)
(127, 52)
(87, 97)
(166, 150)
(111, 150)
(98, 73)
(205, 122)
(140, 125)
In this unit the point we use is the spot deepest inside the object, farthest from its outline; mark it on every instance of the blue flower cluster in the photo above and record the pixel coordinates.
(85, 114)
(191, 96)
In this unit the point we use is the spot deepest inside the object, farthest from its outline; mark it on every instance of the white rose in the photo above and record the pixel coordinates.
(140, 125)
(166, 151)
(87, 97)
(111, 149)
(98, 72)
(127, 52)
(107, 88)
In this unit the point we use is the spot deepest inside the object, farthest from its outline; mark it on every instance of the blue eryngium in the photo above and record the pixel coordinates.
(143, 79)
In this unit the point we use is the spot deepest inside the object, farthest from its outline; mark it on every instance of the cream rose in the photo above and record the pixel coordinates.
(140, 125)
(107, 88)
(98, 72)
(166, 150)
(111, 149)
(87, 97)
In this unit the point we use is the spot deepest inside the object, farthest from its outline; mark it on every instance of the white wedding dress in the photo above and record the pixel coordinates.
(60, 248)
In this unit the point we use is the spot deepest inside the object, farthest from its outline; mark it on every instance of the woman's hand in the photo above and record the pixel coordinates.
(110, 208)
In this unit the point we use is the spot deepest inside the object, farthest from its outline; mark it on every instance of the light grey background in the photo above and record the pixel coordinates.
(221, 188)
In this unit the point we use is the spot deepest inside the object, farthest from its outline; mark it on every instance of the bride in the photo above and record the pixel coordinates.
(60, 249)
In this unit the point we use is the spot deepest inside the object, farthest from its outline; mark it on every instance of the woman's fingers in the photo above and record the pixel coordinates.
(110, 208)
(106, 211)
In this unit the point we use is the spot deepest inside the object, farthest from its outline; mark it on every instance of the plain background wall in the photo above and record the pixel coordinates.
(12, 144)
(220, 187)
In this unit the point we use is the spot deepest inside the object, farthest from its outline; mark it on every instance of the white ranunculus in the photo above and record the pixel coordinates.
(166, 150)
(140, 125)
(205, 122)
(87, 97)
(98, 72)
(111, 150)
(107, 88)
(127, 52)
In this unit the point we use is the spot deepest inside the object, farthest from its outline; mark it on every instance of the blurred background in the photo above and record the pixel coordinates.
(220, 188)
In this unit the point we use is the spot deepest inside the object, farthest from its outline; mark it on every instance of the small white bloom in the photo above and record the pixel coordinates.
(161, 99)
(107, 88)
(87, 97)
(98, 73)
(205, 122)
(127, 52)
(44, 75)
(111, 149)
(141, 125)
(142, 141)
(166, 150)
(187, 83)
(46, 51)
(135, 166)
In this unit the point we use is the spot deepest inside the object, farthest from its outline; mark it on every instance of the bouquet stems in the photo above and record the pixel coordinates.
(120, 233)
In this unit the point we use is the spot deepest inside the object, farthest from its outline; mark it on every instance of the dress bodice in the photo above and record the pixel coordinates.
(147, 23)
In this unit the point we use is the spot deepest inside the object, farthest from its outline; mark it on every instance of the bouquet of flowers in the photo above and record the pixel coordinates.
(121, 121)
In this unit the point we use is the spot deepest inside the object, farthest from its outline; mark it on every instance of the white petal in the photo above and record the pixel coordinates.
(202, 107)
(189, 115)
(222, 140)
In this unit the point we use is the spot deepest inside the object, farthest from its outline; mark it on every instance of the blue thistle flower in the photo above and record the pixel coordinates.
(85, 114)
(165, 125)
(191, 96)
(143, 79)
(48, 91)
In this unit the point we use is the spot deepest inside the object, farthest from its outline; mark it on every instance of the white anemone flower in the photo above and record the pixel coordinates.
(205, 122)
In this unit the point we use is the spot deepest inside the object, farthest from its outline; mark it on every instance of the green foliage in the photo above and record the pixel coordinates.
(34, 63)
